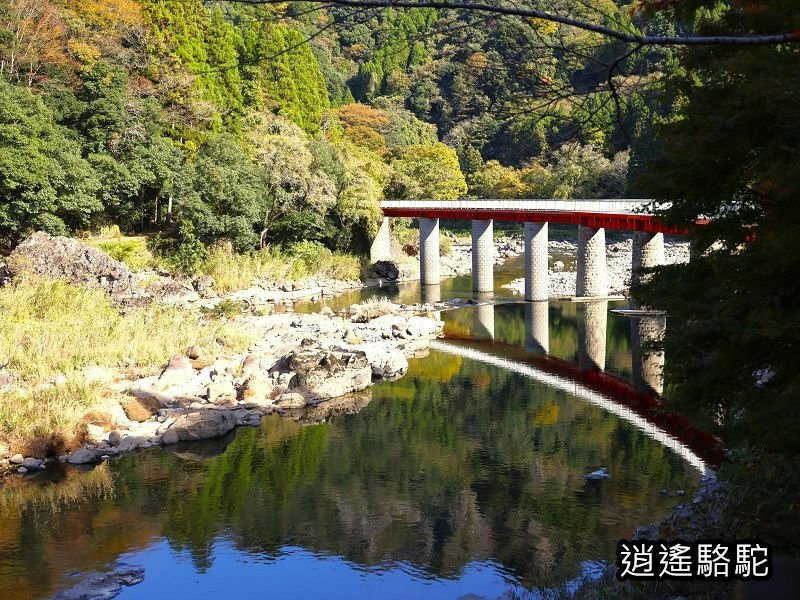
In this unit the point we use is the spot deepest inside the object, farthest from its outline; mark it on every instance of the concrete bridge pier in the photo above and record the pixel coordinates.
(429, 271)
(592, 326)
(537, 327)
(537, 276)
(648, 365)
(648, 252)
(381, 248)
(482, 256)
(483, 317)
(592, 278)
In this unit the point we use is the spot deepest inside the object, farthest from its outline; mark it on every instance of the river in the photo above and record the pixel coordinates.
(464, 477)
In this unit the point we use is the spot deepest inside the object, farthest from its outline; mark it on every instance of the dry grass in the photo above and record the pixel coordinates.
(75, 488)
(46, 420)
(50, 328)
(373, 308)
(238, 271)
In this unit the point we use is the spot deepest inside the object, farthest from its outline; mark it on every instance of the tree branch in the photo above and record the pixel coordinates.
(624, 36)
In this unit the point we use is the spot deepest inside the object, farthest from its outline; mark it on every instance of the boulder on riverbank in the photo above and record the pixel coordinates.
(384, 269)
(200, 426)
(323, 374)
(56, 257)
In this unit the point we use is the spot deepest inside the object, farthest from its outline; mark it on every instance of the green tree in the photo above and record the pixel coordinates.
(224, 194)
(44, 181)
(427, 172)
(297, 197)
(731, 154)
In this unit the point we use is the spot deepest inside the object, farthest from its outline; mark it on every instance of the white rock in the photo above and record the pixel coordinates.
(95, 434)
(131, 443)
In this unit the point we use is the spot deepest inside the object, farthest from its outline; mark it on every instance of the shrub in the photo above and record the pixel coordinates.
(132, 251)
(372, 308)
(312, 258)
(184, 253)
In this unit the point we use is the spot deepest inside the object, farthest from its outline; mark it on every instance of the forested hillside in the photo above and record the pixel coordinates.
(269, 124)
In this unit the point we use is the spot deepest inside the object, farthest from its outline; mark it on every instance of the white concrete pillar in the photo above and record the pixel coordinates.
(482, 256)
(429, 267)
(648, 251)
(537, 327)
(592, 326)
(648, 364)
(537, 275)
(483, 317)
(592, 272)
(381, 248)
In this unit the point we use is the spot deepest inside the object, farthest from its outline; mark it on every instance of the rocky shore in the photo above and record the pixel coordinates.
(300, 362)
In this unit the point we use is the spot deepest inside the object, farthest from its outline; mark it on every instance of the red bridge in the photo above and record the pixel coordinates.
(609, 214)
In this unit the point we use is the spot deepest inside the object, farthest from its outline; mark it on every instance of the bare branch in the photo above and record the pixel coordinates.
(788, 37)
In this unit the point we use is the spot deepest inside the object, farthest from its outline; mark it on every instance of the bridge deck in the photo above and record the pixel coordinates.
(610, 214)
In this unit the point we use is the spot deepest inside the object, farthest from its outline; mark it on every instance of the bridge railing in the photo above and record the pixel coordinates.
(611, 206)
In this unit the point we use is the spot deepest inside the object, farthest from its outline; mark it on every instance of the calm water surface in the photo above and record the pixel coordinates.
(459, 478)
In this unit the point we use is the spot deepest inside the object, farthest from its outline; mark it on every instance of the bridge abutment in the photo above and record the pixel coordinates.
(381, 248)
(429, 271)
(482, 256)
(592, 280)
(537, 275)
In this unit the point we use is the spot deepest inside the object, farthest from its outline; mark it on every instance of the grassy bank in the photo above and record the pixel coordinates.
(51, 330)
(231, 271)
(237, 271)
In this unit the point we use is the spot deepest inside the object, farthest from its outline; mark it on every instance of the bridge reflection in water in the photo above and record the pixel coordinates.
(637, 400)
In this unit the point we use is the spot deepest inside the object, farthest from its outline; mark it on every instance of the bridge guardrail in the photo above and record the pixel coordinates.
(612, 206)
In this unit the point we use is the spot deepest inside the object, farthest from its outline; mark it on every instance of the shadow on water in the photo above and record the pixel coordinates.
(462, 477)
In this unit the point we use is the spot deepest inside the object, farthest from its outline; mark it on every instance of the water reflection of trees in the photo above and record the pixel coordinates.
(435, 471)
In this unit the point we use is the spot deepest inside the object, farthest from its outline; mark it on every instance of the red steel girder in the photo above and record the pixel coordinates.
(629, 222)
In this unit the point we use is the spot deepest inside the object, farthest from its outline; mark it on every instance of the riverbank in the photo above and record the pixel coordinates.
(297, 362)
(85, 341)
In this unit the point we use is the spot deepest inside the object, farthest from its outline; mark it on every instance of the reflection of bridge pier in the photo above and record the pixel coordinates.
(648, 364)
(537, 327)
(483, 317)
(592, 325)
(592, 217)
(431, 294)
